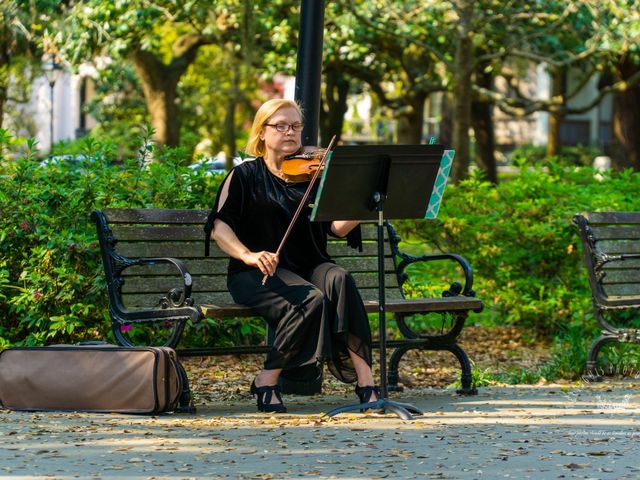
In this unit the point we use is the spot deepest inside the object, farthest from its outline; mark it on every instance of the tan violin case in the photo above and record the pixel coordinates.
(93, 378)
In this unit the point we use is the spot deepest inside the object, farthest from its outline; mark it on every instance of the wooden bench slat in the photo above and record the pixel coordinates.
(616, 247)
(196, 267)
(596, 218)
(341, 249)
(139, 300)
(193, 249)
(371, 293)
(627, 264)
(155, 215)
(621, 290)
(616, 233)
(182, 233)
(215, 266)
(176, 233)
(427, 305)
(180, 250)
(630, 275)
(149, 300)
(219, 283)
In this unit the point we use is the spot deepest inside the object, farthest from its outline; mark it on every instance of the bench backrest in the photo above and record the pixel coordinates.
(179, 234)
(611, 245)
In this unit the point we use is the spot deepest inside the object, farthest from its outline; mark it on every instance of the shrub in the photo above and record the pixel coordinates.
(52, 287)
(517, 235)
(521, 242)
(576, 155)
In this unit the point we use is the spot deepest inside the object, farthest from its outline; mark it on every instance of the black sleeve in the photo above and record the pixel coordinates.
(354, 237)
(231, 211)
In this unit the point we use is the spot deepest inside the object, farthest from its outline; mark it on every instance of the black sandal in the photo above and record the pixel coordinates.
(264, 394)
(364, 393)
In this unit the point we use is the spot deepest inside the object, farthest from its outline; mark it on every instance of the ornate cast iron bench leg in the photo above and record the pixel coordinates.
(445, 341)
(592, 370)
(426, 344)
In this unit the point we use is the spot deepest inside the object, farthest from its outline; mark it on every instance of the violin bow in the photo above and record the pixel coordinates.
(303, 201)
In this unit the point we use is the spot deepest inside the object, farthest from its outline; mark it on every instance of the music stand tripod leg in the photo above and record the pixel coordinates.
(402, 410)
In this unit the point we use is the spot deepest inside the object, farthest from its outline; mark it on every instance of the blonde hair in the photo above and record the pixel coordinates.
(255, 145)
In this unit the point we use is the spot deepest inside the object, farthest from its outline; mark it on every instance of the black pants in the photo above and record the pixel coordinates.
(316, 316)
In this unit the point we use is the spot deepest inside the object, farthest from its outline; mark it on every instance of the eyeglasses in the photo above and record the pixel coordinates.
(284, 127)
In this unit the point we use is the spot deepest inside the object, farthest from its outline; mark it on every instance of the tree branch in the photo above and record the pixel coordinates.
(394, 34)
(522, 107)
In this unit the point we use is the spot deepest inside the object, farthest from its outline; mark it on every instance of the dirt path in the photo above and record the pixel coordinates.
(545, 432)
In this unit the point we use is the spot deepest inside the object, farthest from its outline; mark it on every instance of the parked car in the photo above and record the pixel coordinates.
(73, 161)
(213, 165)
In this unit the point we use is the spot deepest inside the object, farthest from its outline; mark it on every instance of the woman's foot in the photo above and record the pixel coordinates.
(268, 398)
(367, 394)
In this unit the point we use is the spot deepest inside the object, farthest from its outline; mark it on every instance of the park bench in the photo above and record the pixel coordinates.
(611, 247)
(158, 277)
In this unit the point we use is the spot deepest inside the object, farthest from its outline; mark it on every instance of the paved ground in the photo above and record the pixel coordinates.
(508, 432)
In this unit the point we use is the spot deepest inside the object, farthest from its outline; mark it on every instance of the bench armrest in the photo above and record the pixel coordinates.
(603, 258)
(456, 288)
(176, 297)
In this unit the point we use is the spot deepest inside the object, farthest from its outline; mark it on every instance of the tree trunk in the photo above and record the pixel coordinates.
(411, 119)
(230, 131)
(160, 82)
(2, 101)
(558, 90)
(159, 85)
(482, 120)
(446, 123)
(462, 92)
(626, 121)
(334, 105)
(4, 78)
(230, 118)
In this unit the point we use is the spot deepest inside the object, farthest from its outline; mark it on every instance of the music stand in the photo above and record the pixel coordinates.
(374, 182)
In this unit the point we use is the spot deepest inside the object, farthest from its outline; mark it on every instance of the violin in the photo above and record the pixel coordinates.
(301, 157)
(302, 166)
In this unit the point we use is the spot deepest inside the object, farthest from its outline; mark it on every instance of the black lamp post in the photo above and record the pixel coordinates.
(309, 67)
(51, 70)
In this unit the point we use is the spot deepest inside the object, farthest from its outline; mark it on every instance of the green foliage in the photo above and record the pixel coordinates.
(210, 55)
(519, 376)
(536, 155)
(517, 235)
(213, 97)
(521, 243)
(51, 282)
(226, 333)
(569, 354)
(479, 378)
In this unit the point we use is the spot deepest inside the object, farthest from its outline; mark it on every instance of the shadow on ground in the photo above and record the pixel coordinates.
(555, 431)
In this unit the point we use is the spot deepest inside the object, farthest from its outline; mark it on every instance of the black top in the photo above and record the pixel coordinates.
(259, 208)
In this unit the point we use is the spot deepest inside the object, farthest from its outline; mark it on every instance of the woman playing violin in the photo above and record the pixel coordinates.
(312, 305)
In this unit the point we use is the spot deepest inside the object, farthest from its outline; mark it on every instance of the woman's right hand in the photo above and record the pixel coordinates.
(266, 262)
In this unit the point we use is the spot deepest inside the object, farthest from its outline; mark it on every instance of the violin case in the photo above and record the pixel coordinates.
(93, 378)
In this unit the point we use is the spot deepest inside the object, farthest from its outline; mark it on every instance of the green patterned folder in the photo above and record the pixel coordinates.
(441, 183)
